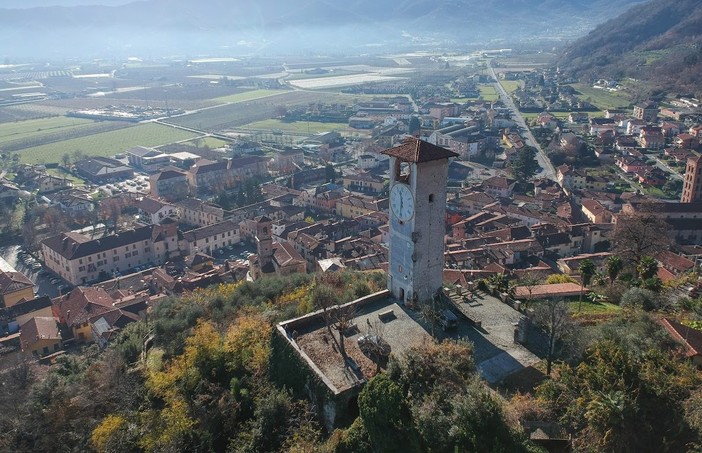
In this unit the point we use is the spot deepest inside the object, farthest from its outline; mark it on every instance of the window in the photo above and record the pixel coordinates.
(431, 198)
(115, 258)
(80, 261)
(81, 268)
(147, 249)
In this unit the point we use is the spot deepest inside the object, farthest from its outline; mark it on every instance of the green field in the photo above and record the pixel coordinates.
(107, 143)
(602, 99)
(488, 92)
(62, 174)
(248, 96)
(592, 308)
(210, 142)
(32, 128)
(510, 86)
(302, 127)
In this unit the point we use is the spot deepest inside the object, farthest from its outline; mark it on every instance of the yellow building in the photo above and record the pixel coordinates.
(40, 336)
(14, 286)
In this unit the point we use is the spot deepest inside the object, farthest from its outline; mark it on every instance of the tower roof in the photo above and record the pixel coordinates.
(416, 150)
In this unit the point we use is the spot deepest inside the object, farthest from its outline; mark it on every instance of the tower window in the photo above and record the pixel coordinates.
(431, 198)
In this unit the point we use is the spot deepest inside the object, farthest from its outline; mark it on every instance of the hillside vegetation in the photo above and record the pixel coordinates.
(659, 43)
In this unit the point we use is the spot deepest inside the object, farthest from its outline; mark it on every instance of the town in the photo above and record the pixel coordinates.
(484, 200)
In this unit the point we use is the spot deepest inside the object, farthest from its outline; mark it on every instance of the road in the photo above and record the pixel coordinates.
(547, 170)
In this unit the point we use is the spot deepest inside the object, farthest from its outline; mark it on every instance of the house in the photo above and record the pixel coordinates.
(499, 186)
(101, 170)
(652, 137)
(105, 326)
(647, 111)
(547, 120)
(631, 164)
(75, 310)
(79, 259)
(171, 184)
(51, 183)
(686, 141)
(595, 212)
(14, 287)
(287, 161)
(147, 159)
(353, 206)
(364, 183)
(199, 213)
(74, 202)
(40, 336)
(153, 211)
(26, 309)
(209, 238)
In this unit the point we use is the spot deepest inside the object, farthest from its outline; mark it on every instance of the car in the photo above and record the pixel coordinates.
(232, 257)
(55, 280)
(230, 247)
(43, 273)
(448, 319)
(64, 288)
(220, 252)
(36, 266)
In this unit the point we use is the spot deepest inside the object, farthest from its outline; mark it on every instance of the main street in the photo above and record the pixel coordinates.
(547, 170)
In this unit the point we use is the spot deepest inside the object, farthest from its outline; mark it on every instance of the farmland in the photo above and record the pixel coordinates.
(602, 99)
(488, 92)
(304, 127)
(248, 96)
(33, 133)
(106, 143)
(230, 116)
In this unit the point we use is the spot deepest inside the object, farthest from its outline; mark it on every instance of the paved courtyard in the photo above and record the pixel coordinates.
(496, 353)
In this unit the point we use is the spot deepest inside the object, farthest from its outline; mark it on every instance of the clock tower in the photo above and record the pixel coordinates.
(418, 174)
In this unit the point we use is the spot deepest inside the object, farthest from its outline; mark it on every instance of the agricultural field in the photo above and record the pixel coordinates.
(23, 129)
(603, 99)
(248, 96)
(488, 92)
(106, 143)
(210, 142)
(510, 86)
(231, 116)
(302, 127)
(11, 113)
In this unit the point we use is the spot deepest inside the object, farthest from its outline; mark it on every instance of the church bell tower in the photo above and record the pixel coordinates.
(418, 175)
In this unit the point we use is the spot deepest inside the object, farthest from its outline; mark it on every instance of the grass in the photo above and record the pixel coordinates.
(207, 141)
(488, 92)
(510, 86)
(592, 308)
(106, 143)
(602, 99)
(247, 96)
(22, 129)
(302, 127)
(62, 174)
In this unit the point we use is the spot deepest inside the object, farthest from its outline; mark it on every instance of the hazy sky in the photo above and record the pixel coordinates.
(32, 3)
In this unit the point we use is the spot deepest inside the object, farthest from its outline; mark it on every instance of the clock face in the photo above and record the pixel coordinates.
(402, 201)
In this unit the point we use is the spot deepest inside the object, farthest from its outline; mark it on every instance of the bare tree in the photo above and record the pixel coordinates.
(553, 316)
(375, 345)
(529, 282)
(337, 318)
(641, 234)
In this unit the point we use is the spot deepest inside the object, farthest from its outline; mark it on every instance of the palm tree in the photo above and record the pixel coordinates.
(647, 268)
(587, 270)
(613, 265)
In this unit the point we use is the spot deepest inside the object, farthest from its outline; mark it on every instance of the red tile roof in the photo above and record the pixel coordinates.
(416, 150)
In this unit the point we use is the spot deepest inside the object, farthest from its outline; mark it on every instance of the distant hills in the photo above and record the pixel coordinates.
(659, 43)
(201, 26)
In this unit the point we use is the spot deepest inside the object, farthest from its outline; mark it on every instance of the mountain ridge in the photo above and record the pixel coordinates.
(659, 43)
(380, 20)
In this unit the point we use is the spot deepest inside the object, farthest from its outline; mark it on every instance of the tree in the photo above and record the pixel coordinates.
(336, 317)
(530, 281)
(554, 279)
(330, 173)
(639, 235)
(387, 417)
(66, 159)
(414, 125)
(587, 270)
(646, 268)
(613, 265)
(524, 164)
(553, 316)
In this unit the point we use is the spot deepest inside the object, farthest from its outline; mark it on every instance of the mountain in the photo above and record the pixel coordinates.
(658, 43)
(204, 26)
